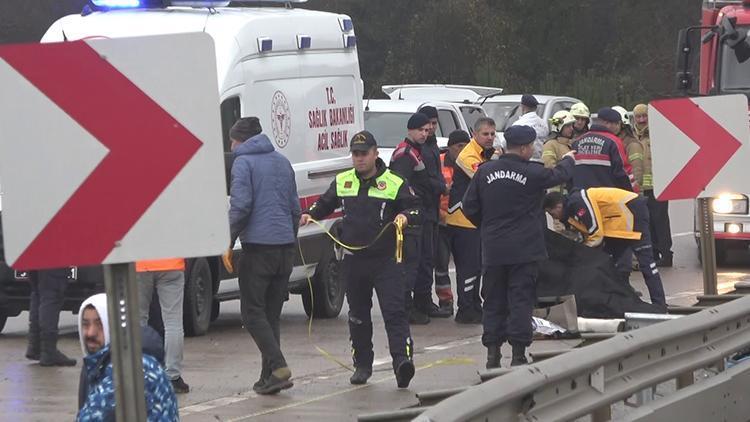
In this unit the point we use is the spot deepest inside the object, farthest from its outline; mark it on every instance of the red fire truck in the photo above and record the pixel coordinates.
(724, 68)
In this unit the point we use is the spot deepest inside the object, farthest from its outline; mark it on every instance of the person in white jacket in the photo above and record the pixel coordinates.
(530, 118)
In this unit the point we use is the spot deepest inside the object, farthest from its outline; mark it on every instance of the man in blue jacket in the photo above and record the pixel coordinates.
(96, 394)
(264, 213)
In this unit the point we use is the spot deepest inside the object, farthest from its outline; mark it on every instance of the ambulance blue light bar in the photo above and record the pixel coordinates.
(117, 4)
(133, 4)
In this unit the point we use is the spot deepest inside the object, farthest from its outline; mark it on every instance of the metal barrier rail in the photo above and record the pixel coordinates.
(587, 381)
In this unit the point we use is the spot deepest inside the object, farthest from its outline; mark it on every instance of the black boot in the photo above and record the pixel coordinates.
(404, 373)
(361, 375)
(279, 379)
(33, 348)
(493, 356)
(519, 356)
(50, 356)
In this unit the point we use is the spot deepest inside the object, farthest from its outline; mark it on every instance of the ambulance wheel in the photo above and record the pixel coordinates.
(328, 288)
(198, 304)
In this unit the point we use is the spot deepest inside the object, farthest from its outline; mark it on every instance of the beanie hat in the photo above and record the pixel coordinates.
(429, 111)
(417, 120)
(245, 128)
(457, 137)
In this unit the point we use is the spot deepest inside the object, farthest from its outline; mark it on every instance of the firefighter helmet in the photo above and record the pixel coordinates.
(561, 119)
(580, 110)
(623, 114)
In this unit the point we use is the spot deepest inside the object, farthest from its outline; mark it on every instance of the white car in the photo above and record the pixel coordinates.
(504, 109)
(386, 120)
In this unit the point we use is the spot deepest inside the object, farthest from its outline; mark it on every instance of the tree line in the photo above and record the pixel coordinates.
(605, 52)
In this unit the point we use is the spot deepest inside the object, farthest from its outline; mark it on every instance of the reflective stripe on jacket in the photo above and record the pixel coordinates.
(602, 212)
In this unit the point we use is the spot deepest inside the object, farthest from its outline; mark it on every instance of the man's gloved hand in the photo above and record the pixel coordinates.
(227, 260)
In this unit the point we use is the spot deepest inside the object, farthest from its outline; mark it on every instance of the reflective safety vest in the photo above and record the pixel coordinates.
(386, 186)
(169, 264)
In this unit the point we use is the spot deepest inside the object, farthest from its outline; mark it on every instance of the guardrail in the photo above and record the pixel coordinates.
(588, 381)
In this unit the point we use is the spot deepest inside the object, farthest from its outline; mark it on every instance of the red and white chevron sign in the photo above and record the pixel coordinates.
(700, 146)
(111, 151)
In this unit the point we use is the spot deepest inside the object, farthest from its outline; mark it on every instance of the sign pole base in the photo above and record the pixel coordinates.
(125, 342)
(707, 245)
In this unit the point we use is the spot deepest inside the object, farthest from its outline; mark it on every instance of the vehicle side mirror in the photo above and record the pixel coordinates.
(742, 48)
(684, 78)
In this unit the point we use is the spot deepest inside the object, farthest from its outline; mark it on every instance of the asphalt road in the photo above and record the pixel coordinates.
(222, 366)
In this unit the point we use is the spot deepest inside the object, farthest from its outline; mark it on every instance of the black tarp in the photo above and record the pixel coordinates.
(589, 274)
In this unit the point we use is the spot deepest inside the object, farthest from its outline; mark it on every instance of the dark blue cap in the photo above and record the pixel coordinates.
(519, 135)
(529, 100)
(609, 115)
(417, 120)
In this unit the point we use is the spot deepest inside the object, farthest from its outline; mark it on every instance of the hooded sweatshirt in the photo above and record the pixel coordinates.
(96, 393)
(265, 208)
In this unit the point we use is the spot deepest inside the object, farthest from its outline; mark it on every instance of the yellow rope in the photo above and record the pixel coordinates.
(227, 260)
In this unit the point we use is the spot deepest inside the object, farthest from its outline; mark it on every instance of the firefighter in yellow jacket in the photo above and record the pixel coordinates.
(619, 220)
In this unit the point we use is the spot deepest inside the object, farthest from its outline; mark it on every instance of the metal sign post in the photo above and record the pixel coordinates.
(707, 245)
(125, 342)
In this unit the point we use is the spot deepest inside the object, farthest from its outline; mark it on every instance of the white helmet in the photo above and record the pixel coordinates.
(561, 119)
(580, 110)
(623, 114)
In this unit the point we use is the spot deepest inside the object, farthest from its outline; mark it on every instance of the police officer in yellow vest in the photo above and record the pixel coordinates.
(619, 219)
(372, 197)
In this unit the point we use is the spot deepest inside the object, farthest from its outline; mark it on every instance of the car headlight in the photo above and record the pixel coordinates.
(730, 203)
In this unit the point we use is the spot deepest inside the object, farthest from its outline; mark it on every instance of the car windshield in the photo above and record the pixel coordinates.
(388, 128)
(471, 115)
(499, 111)
(516, 114)
(735, 76)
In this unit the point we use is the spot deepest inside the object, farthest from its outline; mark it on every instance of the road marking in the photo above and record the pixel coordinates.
(226, 401)
(685, 234)
(448, 361)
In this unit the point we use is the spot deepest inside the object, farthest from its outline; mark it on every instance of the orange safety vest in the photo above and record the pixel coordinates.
(448, 176)
(168, 264)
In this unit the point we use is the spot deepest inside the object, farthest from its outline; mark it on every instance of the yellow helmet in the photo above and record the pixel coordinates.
(623, 114)
(580, 110)
(561, 119)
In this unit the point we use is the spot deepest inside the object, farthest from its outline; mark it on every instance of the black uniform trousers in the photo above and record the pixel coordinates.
(622, 251)
(426, 266)
(382, 273)
(661, 232)
(442, 262)
(264, 282)
(46, 301)
(466, 249)
(509, 293)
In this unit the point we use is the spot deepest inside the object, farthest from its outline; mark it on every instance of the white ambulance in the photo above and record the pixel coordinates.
(295, 69)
